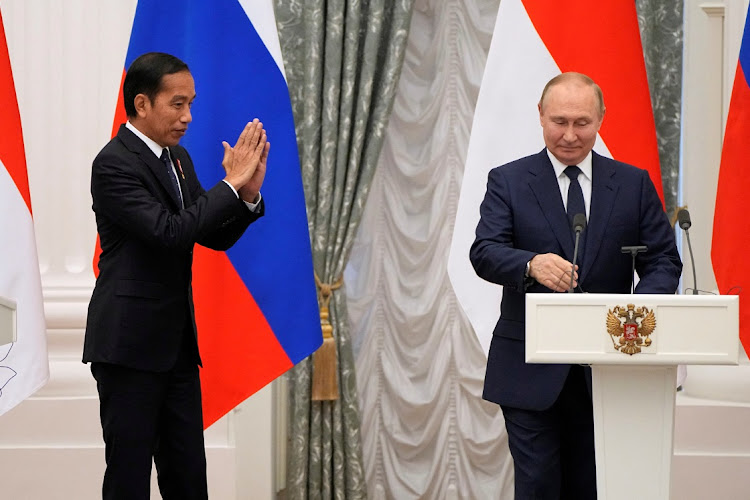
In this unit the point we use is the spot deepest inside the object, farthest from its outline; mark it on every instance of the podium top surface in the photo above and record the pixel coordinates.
(638, 329)
(7, 303)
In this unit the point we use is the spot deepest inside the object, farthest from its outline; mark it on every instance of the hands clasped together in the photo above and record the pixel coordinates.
(245, 163)
(552, 271)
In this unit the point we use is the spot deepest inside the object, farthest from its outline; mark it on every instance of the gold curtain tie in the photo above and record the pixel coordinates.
(325, 292)
(325, 366)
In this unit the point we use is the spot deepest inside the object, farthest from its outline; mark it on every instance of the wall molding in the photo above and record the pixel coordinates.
(714, 9)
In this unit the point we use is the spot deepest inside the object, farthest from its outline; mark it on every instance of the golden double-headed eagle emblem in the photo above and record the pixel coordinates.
(630, 328)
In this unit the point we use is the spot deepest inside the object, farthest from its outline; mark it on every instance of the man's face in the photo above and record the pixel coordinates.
(166, 118)
(570, 120)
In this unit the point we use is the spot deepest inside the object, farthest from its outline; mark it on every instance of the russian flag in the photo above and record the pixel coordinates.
(534, 41)
(729, 247)
(24, 366)
(256, 304)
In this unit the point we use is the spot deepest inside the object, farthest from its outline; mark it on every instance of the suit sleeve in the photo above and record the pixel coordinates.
(659, 268)
(493, 253)
(122, 195)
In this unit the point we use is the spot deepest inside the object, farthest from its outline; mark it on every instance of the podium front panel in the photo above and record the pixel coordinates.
(635, 329)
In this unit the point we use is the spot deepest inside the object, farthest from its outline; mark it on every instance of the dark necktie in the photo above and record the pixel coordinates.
(170, 172)
(575, 206)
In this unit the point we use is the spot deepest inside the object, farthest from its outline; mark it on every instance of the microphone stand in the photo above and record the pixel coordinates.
(692, 262)
(575, 257)
(683, 217)
(579, 224)
(633, 251)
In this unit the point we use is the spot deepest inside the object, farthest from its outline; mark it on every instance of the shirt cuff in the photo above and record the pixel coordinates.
(253, 207)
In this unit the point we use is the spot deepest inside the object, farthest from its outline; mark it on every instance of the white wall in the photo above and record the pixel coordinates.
(67, 59)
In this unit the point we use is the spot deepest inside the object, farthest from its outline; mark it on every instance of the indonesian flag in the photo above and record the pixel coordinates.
(24, 367)
(535, 40)
(729, 248)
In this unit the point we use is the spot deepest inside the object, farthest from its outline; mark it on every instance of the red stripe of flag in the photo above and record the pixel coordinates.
(602, 40)
(11, 138)
(240, 352)
(120, 118)
(729, 248)
(120, 115)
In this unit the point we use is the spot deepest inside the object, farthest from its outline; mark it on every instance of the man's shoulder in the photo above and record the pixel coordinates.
(618, 167)
(522, 166)
(123, 151)
(114, 148)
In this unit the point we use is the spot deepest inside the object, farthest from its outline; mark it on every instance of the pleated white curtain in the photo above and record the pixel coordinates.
(426, 431)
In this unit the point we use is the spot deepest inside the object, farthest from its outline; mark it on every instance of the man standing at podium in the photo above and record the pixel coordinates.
(525, 242)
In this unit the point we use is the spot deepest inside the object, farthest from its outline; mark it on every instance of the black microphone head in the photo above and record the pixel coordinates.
(579, 222)
(683, 219)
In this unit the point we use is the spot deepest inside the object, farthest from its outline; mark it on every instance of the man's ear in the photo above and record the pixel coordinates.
(539, 107)
(142, 104)
(601, 119)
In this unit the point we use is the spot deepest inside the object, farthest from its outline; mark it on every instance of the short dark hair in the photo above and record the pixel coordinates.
(144, 76)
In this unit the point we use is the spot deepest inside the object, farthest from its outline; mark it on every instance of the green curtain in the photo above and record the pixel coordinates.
(342, 60)
(661, 23)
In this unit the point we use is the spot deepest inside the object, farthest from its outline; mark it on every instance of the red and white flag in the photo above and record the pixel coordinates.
(535, 40)
(24, 367)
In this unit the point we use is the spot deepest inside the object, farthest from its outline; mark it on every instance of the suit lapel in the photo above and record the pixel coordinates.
(604, 189)
(547, 191)
(137, 146)
(161, 173)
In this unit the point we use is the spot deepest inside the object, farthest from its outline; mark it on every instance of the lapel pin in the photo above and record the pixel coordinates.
(179, 165)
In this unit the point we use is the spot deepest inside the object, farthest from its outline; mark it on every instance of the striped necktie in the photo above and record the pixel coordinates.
(170, 172)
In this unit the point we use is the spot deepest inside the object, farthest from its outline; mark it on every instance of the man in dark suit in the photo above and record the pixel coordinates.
(524, 242)
(141, 338)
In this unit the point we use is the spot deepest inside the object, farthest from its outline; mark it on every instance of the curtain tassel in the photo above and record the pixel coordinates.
(325, 385)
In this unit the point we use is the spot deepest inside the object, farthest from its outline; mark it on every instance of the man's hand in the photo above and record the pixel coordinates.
(245, 163)
(552, 271)
(249, 192)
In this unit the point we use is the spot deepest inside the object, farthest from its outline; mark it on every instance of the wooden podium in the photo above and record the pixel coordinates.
(7, 321)
(633, 344)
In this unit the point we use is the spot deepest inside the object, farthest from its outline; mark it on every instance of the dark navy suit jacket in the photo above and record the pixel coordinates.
(142, 303)
(523, 215)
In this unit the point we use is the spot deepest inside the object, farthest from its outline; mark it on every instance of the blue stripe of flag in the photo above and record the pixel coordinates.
(237, 80)
(745, 48)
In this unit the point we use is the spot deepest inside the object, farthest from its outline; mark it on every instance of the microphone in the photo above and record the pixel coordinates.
(683, 219)
(579, 224)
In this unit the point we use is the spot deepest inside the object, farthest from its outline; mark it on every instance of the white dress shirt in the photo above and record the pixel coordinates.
(584, 179)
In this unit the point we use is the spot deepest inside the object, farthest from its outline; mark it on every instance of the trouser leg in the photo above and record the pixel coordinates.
(130, 402)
